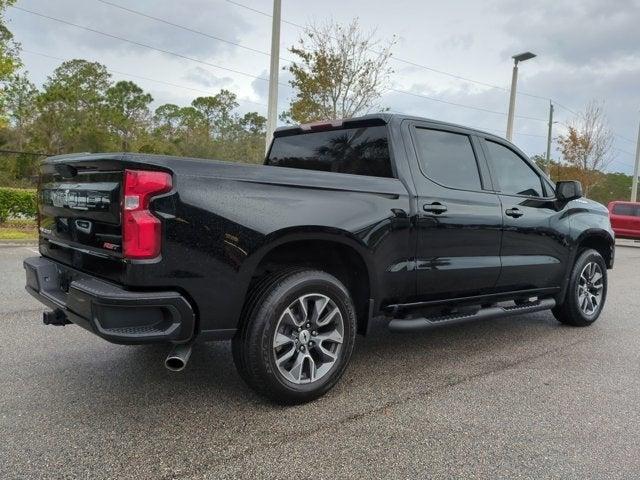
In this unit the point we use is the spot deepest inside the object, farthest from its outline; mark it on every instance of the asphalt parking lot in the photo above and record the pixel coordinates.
(521, 397)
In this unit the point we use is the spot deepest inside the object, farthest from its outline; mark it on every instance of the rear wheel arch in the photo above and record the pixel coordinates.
(281, 350)
(340, 256)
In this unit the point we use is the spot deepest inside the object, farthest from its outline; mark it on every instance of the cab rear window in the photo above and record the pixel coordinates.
(358, 151)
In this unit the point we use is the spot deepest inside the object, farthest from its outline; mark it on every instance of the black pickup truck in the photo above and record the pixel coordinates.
(422, 222)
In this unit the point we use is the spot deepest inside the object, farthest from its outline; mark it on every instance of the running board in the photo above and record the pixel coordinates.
(413, 324)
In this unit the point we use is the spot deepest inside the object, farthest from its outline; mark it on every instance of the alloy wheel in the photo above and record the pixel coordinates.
(308, 338)
(590, 288)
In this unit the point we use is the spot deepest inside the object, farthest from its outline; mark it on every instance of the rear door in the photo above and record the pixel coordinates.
(535, 247)
(458, 220)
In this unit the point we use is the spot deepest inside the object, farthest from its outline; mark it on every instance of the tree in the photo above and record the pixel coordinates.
(166, 121)
(253, 123)
(613, 186)
(341, 72)
(128, 110)
(80, 109)
(20, 97)
(182, 131)
(9, 49)
(210, 128)
(217, 112)
(72, 109)
(245, 142)
(606, 188)
(588, 144)
(9, 54)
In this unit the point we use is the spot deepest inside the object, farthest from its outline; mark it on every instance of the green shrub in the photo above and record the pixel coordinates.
(17, 203)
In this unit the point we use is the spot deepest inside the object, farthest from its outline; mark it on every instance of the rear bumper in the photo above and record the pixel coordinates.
(109, 311)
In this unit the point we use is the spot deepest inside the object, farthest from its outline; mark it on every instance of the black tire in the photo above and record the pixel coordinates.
(253, 345)
(570, 311)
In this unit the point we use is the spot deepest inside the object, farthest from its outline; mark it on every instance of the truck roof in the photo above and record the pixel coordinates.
(381, 118)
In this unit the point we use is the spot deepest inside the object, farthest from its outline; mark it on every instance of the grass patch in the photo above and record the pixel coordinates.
(17, 234)
(20, 223)
(18, 230)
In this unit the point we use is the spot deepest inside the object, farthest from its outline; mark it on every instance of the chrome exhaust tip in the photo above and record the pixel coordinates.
(178, 357)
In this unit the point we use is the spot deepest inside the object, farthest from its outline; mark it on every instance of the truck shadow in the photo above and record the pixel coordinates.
(379, 360)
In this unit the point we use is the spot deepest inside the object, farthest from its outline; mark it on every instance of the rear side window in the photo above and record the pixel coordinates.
(514, 175)
(448, 159)
(359, 151)
(625, 209)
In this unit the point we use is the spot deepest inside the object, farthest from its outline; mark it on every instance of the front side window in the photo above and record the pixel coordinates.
(512, 173)
(359, 151)
(448, 159)
(625, 209)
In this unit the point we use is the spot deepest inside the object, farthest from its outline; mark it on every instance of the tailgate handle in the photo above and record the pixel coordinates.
(83, 226)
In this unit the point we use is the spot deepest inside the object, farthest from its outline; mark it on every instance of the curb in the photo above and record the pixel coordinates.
(627, 243)
(18, 243)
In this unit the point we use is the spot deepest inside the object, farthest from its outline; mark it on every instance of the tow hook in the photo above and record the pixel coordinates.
(55, 317)
(178, 357)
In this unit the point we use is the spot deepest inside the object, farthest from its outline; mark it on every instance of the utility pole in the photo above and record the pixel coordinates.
(549, 134)
(272, 109)
(521, 57)
(634, 183)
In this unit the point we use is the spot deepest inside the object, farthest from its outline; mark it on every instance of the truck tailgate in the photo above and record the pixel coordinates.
(79, 210)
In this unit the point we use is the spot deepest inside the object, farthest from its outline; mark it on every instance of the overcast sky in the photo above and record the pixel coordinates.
(587, 49)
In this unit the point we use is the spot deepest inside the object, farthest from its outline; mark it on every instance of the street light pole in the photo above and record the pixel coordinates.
(634, 183)
(272, 108)
(521, 57)
(549, 134)
(512, 100)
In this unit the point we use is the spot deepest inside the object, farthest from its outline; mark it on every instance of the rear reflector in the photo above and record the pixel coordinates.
(141, 230)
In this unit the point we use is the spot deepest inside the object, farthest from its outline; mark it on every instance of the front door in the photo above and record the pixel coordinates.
(535, 243)
(458, 224)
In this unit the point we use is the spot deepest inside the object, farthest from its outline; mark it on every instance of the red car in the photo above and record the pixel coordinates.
(625, 219)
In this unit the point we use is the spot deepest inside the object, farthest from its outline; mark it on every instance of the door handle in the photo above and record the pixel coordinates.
(435, 207)
(514, 212)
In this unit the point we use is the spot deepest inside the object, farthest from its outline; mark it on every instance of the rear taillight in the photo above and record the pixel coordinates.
(141, 230)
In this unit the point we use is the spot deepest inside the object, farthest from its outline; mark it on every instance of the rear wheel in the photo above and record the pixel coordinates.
(297, 336)
(586, 292)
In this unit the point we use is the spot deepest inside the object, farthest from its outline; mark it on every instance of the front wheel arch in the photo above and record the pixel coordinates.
(569, 310)
(596, 239)
(600, 241)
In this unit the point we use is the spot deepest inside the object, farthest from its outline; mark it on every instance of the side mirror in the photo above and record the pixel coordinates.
(570, 190)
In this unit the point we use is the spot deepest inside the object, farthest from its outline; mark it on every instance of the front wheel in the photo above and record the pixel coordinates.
(297, 335)
(586, 292)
